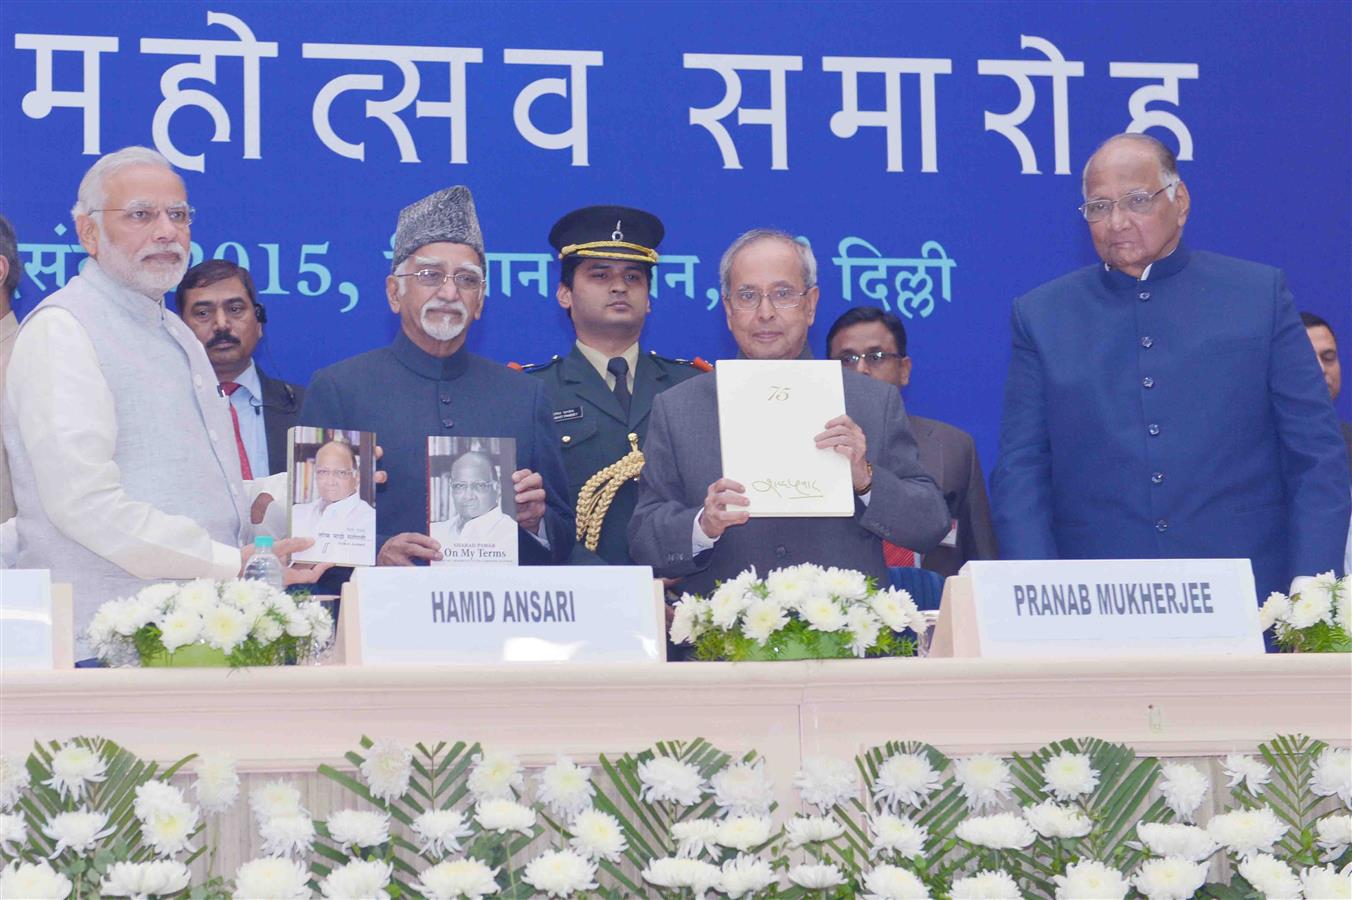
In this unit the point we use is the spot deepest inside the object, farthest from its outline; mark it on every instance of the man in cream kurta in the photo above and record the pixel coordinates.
(123, 457)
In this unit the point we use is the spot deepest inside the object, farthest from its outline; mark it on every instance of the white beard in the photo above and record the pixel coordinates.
(154, 280)
(442, 329)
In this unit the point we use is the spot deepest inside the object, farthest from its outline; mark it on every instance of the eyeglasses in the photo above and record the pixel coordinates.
(140, 215)
(435, 278)
(335, 473)
(873, 358)
(780, 298)
(1137, 202)
(478, 487)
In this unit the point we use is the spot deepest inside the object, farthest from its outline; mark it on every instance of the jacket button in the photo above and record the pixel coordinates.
(1147, 382)
(1157, 478)
(781, 551)
(1144, 296)
(567, 438)
(1153, 429)
(1147, 342)
(1161, 526)
(445, 399)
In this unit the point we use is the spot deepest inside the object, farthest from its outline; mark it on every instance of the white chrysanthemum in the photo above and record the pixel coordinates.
(503, 816)
(387, 769)
(825, 782)
(560, 873)
(1313, 604)
(456, 879)
(152, 795)
(14, 780)
(495, 776)
(1069, 775)
(846, 584)
(1176, 839)
(217, 783)
(996, 885)
(1335, 834)
(1052, 820)
(670, 780)
(1327, 882)
(1332, 775)
(823, 614)
(802, 830)
(676, 872)
(904, 779)
(321, 624)
(1273, 878)
(746, 875)
(1002, 831)
(224, 628)
(744, 832)
(179, 628)
(77, 831)
(144, 879)
(1241, 768)
(73, 767)
(1247, 831)
(290, 835)
(896, 834)
(763, 618)
(272, 879)
(1170, 879)
(816, 876)
(1091, 880)
(358, 828)
(895, 607)
(13, 832)
(695, 837)
(863, 627)
(894, 883)
(688, 618)
(200, 596)
(358, 880)
(440, 831)
(131, 615)
(33, 881)
(267, 628)
(298, 624)
(727, 602)
(1183, 788)
(168, 827)
(985, 780)
(786, 588)
(1273, 609)
(597, 835)
(743, 789)
(565, 787)
(275, 798)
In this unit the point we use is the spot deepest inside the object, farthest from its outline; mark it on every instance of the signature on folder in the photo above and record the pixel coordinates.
(788, 488)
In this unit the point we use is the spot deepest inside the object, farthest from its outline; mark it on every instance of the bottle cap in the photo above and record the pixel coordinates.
(263, 542)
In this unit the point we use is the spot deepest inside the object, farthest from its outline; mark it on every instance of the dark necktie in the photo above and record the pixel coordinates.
(228, 388)
(620, 369)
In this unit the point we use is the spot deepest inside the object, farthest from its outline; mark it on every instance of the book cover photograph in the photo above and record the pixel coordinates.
(471, 504)
(331, 478)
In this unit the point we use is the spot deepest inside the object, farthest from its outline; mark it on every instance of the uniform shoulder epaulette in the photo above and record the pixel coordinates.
(697, 363)
(535, 367)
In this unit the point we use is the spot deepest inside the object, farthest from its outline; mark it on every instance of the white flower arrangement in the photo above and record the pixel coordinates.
(1313, 620)
(799, 612)
(250, 623)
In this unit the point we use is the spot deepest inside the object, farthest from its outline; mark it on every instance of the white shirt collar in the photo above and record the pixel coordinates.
(248, 379)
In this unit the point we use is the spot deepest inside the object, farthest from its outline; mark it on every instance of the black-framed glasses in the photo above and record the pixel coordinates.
(1137, 203)
(142, 214)
(478, 487)
(873, 358)
(780, 298)
(468, 282)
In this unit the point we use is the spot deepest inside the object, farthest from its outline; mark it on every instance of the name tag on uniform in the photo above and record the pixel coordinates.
(567, 415)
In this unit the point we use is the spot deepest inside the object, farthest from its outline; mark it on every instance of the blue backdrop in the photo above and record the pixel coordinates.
(302, 128)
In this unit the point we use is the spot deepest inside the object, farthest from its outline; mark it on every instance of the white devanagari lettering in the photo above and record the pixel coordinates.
(1165, 92)
(577, 61)
(1021, 72)
(776, 115)
(41, 100)
(847, 122)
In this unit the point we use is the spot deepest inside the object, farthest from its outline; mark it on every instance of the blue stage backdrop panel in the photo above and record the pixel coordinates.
(930, 152)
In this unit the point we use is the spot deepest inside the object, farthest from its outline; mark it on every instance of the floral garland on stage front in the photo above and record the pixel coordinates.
(1078, 818)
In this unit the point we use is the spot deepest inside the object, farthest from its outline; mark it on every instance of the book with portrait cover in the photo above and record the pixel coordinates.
(331, 481)
(471, 505)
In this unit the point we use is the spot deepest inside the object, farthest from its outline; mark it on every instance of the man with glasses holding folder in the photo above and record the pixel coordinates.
(1164, 403)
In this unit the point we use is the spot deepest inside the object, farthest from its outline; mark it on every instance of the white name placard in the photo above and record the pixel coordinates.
(488, 614)
(26, 619)
(1115, 607)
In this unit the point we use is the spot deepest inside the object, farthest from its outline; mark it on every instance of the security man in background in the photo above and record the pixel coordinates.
(603, 389)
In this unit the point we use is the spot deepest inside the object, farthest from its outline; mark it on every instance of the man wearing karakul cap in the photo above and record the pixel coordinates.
(426, 384)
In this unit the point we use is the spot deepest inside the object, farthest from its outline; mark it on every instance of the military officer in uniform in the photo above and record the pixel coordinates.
(603, 389)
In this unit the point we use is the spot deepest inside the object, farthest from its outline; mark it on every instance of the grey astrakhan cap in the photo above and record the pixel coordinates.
(448, 215)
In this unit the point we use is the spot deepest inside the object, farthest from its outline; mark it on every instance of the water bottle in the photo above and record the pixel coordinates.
(264, 565)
